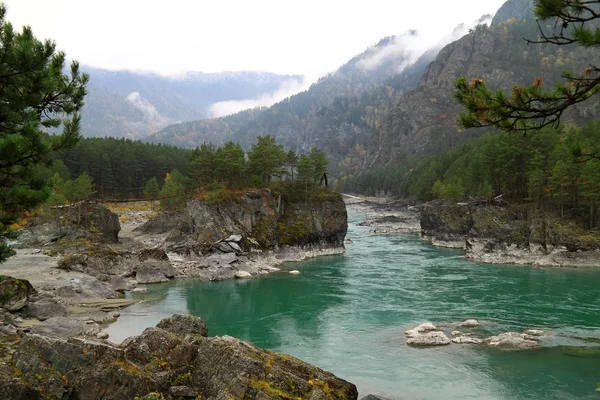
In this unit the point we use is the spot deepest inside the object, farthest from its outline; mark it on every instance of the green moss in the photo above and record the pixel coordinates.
(265, 387)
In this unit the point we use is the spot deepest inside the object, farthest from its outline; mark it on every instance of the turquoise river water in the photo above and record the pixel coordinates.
(347, 314)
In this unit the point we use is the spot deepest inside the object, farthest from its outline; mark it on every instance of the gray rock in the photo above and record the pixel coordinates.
(235, 247)
(234, 238)
(424, 327)
(224, 247)
(243, 274)
(139, 290)
(221, 259)
(45, 308)
(431, 338)
(102, 335)
(374, 397)
(14, 293)
(147, 274)
(65, 327)
(183, 325)
(470, 323)
(464, 339)
(182, 392)
(513, 340)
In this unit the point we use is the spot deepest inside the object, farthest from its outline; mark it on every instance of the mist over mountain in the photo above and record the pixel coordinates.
(340, 113)
(424, 119)
(135, 104)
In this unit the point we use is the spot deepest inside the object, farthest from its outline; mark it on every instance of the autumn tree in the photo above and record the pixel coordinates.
(35, 95)
(533, 107)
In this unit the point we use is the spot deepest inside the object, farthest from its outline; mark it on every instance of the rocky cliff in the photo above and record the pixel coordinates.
(509, 235)
(175, 360)
(249, 233)
(424, 120)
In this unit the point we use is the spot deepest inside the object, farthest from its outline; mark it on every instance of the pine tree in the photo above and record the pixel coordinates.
(34, 95)
(266, 158)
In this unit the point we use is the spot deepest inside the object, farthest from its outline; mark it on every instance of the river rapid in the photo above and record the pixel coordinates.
(347, 314)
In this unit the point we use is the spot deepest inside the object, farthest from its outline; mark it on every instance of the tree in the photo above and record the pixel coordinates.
(152, 188)
(34, 95)
(79, 189)
(172, 194)
(266, 158)
(319, 162)
(531, 107)
(230, 164)
(291, 161)
(202, 167)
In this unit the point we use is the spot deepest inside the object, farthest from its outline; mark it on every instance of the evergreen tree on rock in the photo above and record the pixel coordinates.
(34, 95)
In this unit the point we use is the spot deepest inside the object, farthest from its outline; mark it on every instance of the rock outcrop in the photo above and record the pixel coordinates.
(508, 235)
(175, 360)
(248, 235)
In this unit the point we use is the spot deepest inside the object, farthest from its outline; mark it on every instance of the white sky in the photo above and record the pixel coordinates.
(283, 36)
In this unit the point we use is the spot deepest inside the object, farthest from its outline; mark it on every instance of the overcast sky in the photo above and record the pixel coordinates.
(284, 36)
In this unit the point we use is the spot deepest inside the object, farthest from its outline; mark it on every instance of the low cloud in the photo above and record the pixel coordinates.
(151, 116)
(408, 47)
(286, 89)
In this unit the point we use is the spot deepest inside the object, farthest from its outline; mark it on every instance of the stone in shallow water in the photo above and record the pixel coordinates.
(295, 272)
(467, 340)
(243, 274)
(513, 340)
(470, 323)
(535, 332)
(425, 327)
(431, 338)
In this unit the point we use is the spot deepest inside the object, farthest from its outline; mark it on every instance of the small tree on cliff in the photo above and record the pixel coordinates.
(34, 95)
(532, 107)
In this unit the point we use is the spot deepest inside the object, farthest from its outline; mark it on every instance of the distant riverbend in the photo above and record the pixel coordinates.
(348, 314)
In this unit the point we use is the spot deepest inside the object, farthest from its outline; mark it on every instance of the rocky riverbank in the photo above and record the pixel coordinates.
(489, 234)
(81, 264)
(175, 360)
(509, 235)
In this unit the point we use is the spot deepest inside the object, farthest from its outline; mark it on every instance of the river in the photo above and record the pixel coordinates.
(347, 314)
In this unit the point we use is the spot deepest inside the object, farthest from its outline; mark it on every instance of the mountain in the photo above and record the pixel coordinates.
(423, 121)
(340, 113)
(135, 104)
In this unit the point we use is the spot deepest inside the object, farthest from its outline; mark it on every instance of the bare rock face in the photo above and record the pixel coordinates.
(94, 216)
(14, 293)
(175, 359)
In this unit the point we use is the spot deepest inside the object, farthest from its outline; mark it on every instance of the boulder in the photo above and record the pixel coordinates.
(95, 217)
(431, 338)
(465, 339)
(295, 272)
(243, 274)
(374, 397)
(183, 325)
(45, 308)
(14, 293)
(146, 274)
(470, 323)
(513, 340)
(234, 238)
(425, 327)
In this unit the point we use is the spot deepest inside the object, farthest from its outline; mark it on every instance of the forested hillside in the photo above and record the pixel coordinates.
(424, 120)
(136, 104)
(120, 168)
(340, 113)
